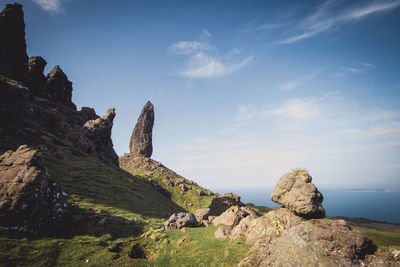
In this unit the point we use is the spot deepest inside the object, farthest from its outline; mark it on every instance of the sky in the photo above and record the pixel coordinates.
(244, 90)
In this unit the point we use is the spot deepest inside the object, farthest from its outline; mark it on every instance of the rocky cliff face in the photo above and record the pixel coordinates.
(38, 109)
(141, 139)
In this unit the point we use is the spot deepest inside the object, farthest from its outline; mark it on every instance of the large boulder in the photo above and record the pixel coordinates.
(141, 139)
(315, 243)
(98, 132)
(13, 57)
(202, 214)
(296, 192)
(30, 201)
(232, 216)
(59, 87)
(181, 219)
(270, 225)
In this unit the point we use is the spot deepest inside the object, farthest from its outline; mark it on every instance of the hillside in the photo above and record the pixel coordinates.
(67, 199)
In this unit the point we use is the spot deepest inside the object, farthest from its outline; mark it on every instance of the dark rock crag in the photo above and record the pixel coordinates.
(33, 104)
(141, 139)
(30, 202)
(13, 57)
(98, 132)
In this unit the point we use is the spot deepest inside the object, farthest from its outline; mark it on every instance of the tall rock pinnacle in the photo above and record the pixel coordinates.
(141, 139)
(13, 57)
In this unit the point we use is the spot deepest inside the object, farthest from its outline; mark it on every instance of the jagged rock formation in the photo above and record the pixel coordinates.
(13, 57)
(36, 81)
(39, 108)
(59, 87)
(141, 139)
(296, 192)
(98, 132)
(30, 202)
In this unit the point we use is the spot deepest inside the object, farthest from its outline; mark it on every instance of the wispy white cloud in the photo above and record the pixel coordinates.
(202, 62)
(325, 19)
(357, 69)
(203, 65)
(52, 6)
(290, 85)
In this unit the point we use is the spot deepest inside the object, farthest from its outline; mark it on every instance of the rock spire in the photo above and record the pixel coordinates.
(13, 57)
(141, 139)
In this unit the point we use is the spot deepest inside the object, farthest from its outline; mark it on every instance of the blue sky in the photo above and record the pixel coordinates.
(244, 91)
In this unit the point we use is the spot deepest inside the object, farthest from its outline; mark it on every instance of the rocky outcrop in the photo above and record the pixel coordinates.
(232, 216)
(30, 202)
(141, 139)
(36, 81)
(13, 57)
(221, 203)
(177, 221)
(98, 132)
(59, 87)
(202, 214)
(87, 114)
(296, 192)
(314, 243)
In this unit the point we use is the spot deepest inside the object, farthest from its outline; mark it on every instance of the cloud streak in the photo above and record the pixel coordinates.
(52, 6)
(290, 85)
(202, 62)
(325, 19)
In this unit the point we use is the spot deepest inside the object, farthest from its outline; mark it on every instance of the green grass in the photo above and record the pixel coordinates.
(91, 184)
(260, 209)
(379, 237)
(202, 249)
(159, 175)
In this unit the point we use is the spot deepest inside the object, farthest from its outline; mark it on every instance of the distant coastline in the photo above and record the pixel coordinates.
(374, 190)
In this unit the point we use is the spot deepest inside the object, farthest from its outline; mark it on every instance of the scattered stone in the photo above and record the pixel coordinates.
(136, 252)
(177, 221)
(183, 188)
(182, 240)
(201, 192)
(202, 214)
(223, 231)
(28, 197)
(13, 57)
(141, 139)
(296, 192)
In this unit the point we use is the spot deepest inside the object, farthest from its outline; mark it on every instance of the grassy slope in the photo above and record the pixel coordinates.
(93, 185)
(138, 166)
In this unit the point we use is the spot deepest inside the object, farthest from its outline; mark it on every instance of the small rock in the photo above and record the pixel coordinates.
(182, 240)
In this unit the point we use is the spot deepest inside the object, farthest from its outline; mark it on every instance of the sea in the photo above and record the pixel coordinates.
(379, 206)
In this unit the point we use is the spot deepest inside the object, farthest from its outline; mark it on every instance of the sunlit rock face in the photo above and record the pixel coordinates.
(296, 192)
